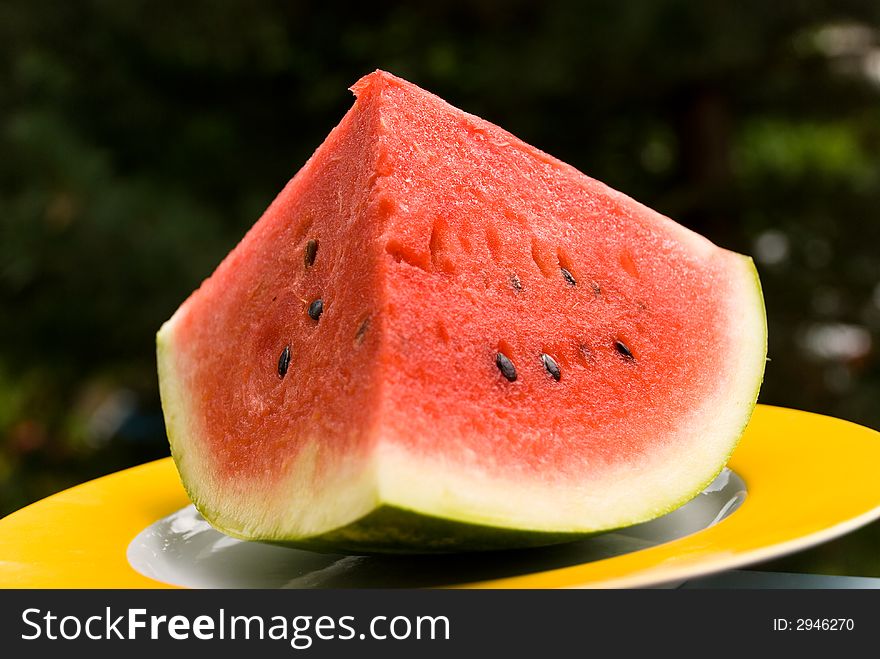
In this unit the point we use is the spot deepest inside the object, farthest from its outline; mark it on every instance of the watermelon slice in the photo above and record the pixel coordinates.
(439, 338)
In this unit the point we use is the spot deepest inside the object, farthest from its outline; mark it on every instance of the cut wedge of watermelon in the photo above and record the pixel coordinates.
(439, 338)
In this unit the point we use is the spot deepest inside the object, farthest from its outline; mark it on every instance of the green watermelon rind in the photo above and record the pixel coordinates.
(389, 527)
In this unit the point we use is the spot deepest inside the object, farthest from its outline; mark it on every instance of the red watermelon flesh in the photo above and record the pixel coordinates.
(506, 352)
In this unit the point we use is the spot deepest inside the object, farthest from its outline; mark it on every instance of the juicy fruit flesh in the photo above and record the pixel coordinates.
(585, 418)
(257, 305)
(489, 318)
(451, 293)
(452, 308)
(596, 383)
(506, 213)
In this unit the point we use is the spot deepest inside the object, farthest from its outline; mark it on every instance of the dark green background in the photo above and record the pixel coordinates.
(138, 141)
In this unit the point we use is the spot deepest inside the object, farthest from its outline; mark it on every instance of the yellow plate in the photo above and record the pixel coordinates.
(810, 478)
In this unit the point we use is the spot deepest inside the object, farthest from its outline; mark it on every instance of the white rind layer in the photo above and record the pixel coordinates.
(301, 506)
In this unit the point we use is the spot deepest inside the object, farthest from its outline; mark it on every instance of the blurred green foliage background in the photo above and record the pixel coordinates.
(139, 140)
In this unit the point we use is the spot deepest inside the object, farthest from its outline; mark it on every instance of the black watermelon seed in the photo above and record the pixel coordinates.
(284, 361)
(623, 350)
(551, 366)
(359, 336)
(515, 282)
(311, 252)
(316, 308)
(597, 290)
(569, 277)
(508, 370)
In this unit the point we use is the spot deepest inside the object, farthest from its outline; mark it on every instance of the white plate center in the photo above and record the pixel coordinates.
(184, 550)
